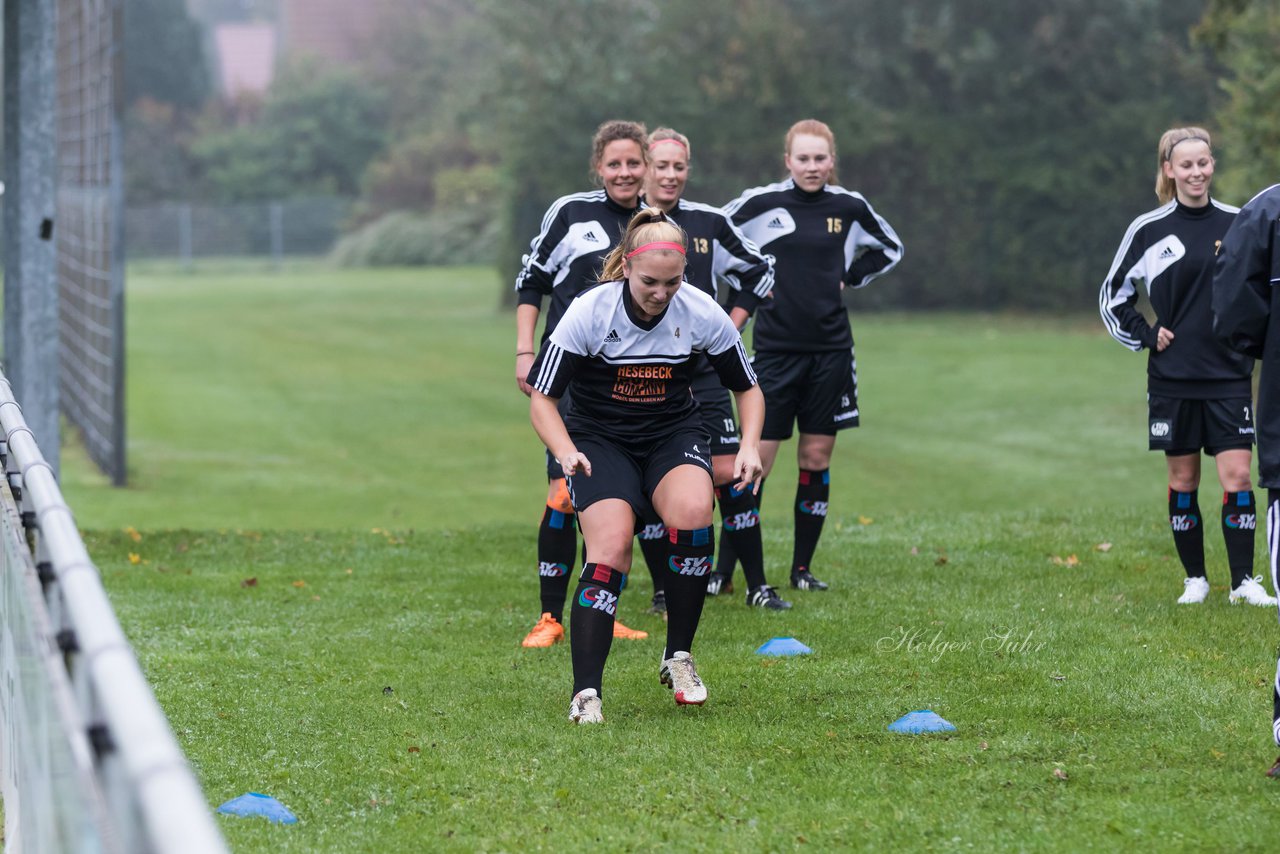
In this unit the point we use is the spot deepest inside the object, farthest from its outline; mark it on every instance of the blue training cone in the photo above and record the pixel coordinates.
(255, 803)
(783, 646)
(922, 721)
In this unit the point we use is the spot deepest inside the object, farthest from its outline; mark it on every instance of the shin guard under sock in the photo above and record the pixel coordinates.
(591, 623)
(653, 545)
(557, 547)
(688, 563)
(1239, 521)
(1188, 531)
(812, 494)
(741, 526)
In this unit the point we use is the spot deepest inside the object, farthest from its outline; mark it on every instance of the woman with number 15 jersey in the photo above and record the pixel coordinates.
(1199, 393)
(824, 238)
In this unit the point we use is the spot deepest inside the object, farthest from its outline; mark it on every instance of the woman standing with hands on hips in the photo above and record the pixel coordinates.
(824, 238)
(626, 351)
(563, 261)
(1199, 393)
(718, 252)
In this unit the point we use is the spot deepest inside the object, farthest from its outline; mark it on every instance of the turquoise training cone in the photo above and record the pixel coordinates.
(783, 646)
(256, 803)
(918, 722)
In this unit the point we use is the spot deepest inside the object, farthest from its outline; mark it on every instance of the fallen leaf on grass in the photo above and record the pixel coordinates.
(1070, 560)
(133, 534)
(941, 561)
(415, 749)
(1060, 774)
(249, 582)
(865, 520)
(915, 550)
(982, 745)
(135, 558)
(299, 584)
(1102, 547)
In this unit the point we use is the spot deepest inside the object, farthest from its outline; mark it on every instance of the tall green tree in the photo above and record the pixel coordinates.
(164, 55)
(317, 131)
(1245, 37)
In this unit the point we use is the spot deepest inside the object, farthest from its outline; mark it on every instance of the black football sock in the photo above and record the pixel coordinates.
(812, 493)
(741, 526)
(1239, 521)
(688, 562)
(653, 545)
(591, 624)
(557, 547)
(1188, 531)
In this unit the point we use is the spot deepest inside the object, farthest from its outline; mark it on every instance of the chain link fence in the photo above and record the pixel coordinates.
(270, 231)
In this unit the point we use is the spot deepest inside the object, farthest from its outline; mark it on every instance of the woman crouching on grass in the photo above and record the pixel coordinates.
(632, 439)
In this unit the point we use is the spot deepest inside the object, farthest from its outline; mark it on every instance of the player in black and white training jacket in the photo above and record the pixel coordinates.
(1198, 391)
(564, 260)
(824, 238)
(1246, 308)
(627, 351)
(718, 253)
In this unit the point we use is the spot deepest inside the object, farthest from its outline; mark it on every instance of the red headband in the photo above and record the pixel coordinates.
(661, 244)
(658, 142)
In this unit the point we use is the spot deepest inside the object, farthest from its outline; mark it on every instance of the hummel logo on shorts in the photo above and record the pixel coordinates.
(612, 337)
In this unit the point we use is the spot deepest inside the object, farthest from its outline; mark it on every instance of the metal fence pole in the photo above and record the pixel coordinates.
(276, 215)
(30, 260)
(184, 236)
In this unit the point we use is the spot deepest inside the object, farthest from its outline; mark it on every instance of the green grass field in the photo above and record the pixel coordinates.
(324, 561)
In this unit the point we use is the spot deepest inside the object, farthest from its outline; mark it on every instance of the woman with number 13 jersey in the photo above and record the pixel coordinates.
(718, 252)
(1198, 391)
(578, 231)
(824, 238)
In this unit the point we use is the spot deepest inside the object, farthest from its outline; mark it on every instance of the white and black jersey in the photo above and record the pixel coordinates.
(1170, 253)
(1246, 316)
(819, 240)
(567, 255)
(629, 378)
(720, 252)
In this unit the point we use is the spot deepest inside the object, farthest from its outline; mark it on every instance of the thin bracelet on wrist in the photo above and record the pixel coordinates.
(524, 352)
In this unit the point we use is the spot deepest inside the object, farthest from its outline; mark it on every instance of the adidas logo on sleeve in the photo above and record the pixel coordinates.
(612, 337)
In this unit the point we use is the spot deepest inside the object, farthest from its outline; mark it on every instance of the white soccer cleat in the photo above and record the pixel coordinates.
(1197, 589)
(1252, 591)
(585, 707)
(679, 674)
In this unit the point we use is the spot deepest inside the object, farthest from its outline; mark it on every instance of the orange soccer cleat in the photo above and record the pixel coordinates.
(622, 632)
(547, 632)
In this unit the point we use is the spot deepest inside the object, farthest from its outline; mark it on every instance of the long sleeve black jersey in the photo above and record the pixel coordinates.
(720, 252)
(629, 378)
(1246, 313)
(567, 255)
(818, 240)
(1169, 251)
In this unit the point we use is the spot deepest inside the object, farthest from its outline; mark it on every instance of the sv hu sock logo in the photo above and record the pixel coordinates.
(599, 599)
(696, 566)
(813, 508)
(1242, 521)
